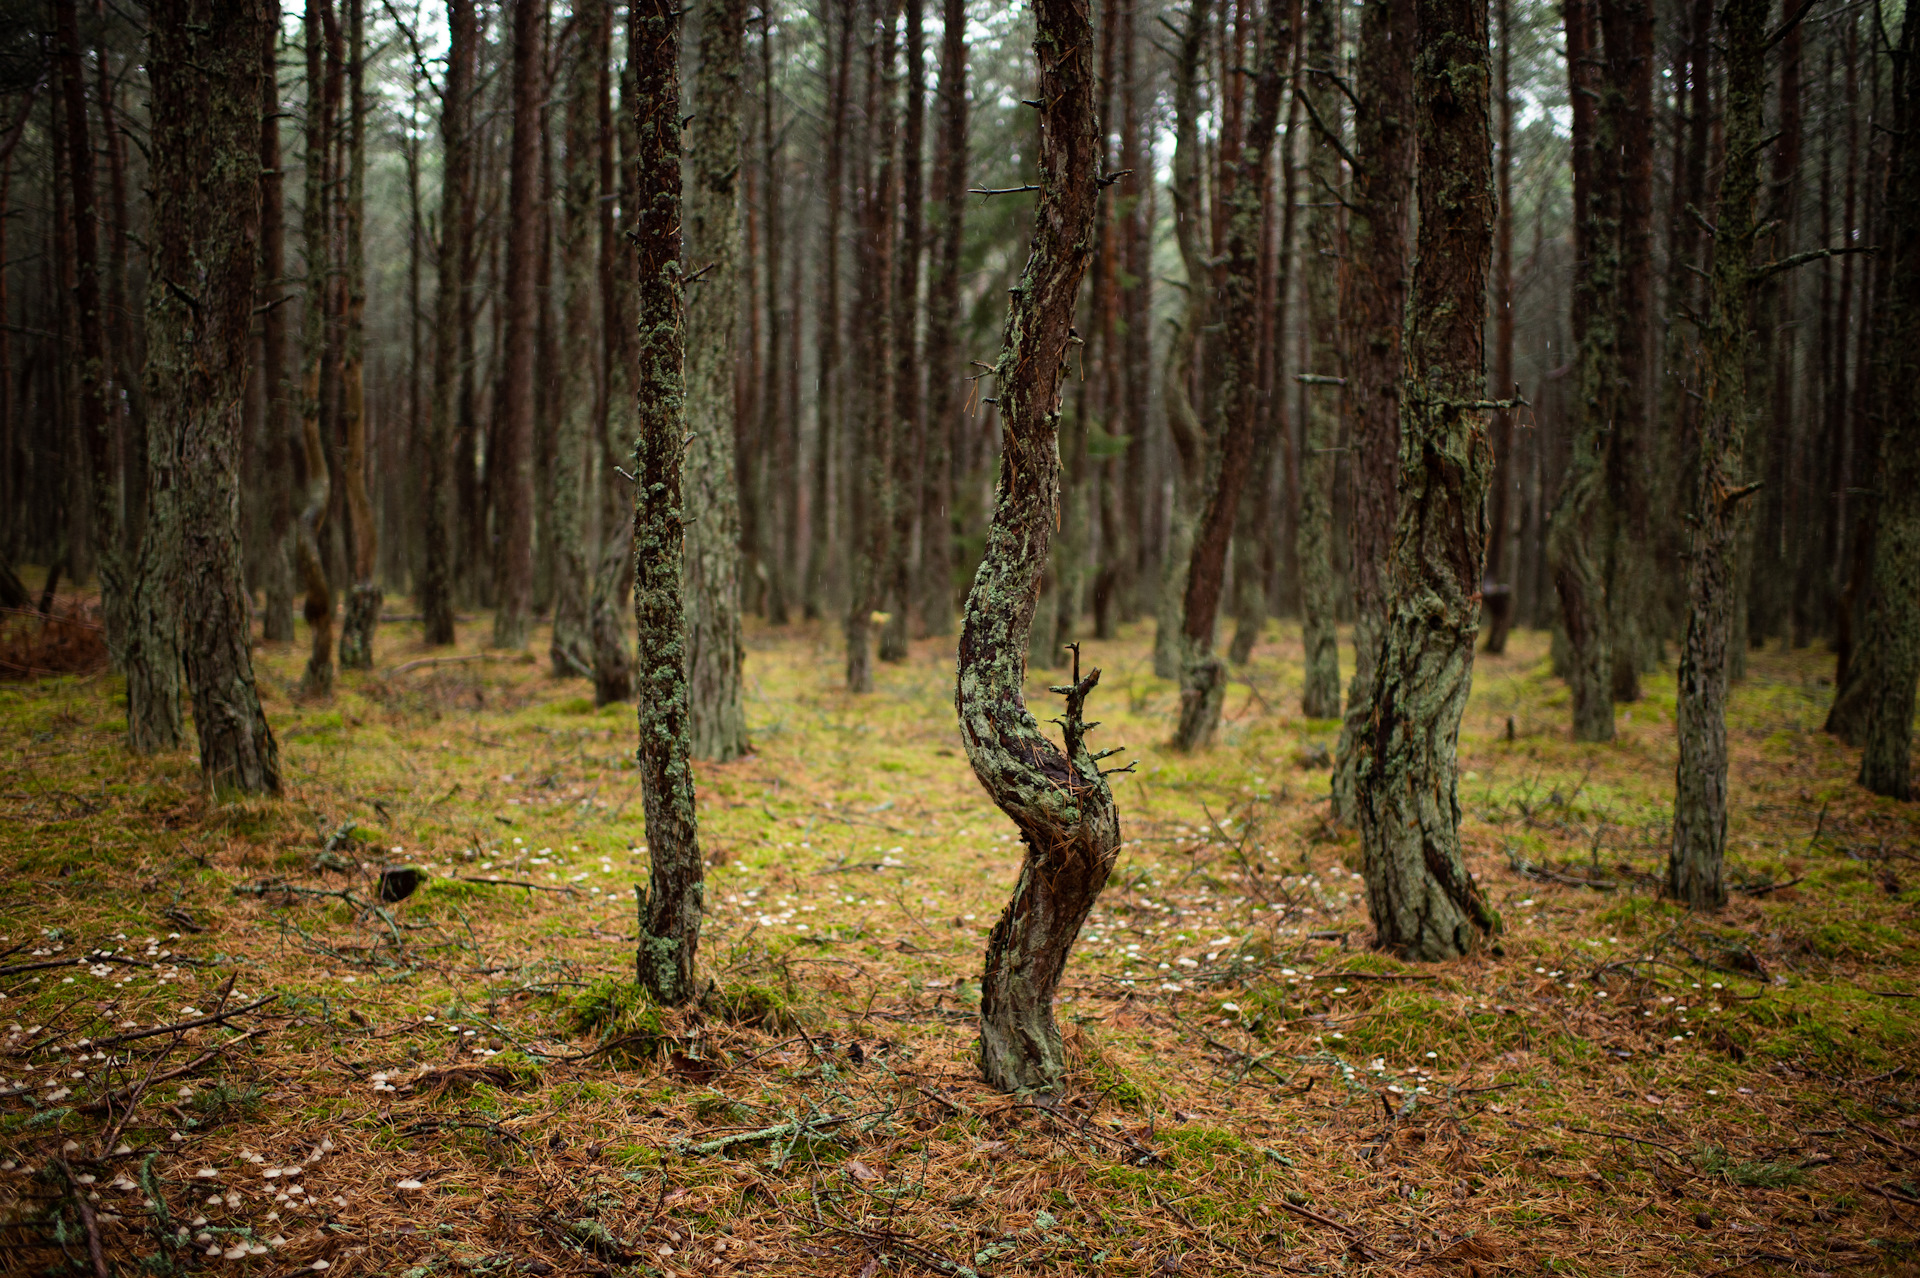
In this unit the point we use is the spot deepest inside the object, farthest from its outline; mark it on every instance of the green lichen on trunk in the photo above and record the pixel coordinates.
(670, 905)
(1372, 302)
(1700, 783)
(1423, 902)
(1235, 396)
(1891, 651)
(206, 223)
(714, 651)
(1059, 800)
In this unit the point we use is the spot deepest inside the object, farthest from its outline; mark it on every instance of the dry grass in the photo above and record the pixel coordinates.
(465, 1083)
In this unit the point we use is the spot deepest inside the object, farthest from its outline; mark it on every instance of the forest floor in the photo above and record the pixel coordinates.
(462, 1081)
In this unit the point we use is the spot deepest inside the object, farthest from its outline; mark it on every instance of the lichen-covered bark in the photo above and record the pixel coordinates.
(1059, 801)
(1313, 534)
(363, 597)
(1372, 305)
(670, 906)
(714, 652)
(1183, 421)
(568, 489)
(206, 221)
(450, 285)
(1423, 903)
(1891, 652)
(1700, 784)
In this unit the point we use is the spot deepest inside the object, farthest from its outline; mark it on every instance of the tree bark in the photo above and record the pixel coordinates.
(828, 400)
(570, 650)
(946, 351)
(277, 458)
(1700, 783)
(1423, 902)
(909, 425)
(316, 224)
(510, 444)
(450, 284)
(363, 596)
(777, 532)
(671, 904)
(1372, 309)
(609, 606)
(1059, 801)
(714, 652)
(1497, 590)
(1235, 401)
(1891, 651)
(205, 72)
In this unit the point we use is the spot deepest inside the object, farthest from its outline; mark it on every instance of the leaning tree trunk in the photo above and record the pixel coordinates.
(205, 72)
(1423, 902)
(1700, 782)
(1203, 676)
(714, 652)
(1060, 801)
(670, 905)
(1891, 653)
(1373, 299)
(363, 596)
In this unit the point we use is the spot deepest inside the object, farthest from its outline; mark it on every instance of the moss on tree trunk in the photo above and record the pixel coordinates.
(1423, 902)
(1059, 801)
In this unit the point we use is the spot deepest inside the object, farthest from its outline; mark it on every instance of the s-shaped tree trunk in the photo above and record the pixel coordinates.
(671, 904)
(205, 65)
(1423, 902)
(1060, 801)
(1700, 782)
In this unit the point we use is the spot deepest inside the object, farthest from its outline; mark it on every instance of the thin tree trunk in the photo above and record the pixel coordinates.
(828, 400)
(670, 906)
(1700, 796)
(1423, 902)
(946, 352)
(1373, 312)
(363, 596)
(277, 460)
(909, 426)
(205, 72)
(510, 445)
(714, 651)
(1891, 652)
(1498, 587)
(608, 611)
(776, 533)
(316, 222)
(568, 490)
(1059, 801)
(450, 276)
(1235, 397)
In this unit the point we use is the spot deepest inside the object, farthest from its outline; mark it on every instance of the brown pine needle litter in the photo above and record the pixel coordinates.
(223, 1050)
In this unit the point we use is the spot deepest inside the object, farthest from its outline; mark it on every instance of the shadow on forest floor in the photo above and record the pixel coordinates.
(462, 1080)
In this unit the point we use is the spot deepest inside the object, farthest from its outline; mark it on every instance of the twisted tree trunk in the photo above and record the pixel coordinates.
(1059, 801)
(1423, 902)
(670, 905)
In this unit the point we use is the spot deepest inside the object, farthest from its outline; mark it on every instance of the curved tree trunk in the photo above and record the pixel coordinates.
(1700, 783)
(1203, 676)
(714, 652)
(1060, 802)
(205, 71)
(1423, 902)
(1372, 310)
(670, 905)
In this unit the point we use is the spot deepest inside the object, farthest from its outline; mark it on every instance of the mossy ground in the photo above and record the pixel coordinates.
(464, 1082)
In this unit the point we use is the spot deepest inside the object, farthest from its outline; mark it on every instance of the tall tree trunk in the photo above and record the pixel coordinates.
(277, 459)
(510, 444)
(205, 71)
(1183, 420)
(1373, 311)
(1314, 544)
(821, 531)
(608, 608)
(1059, 801)
(363, 596)
(1423, 902)
(1497, 590)
(909, 426)
(1235, 398)
(670, 906)
(946, 353)
(1891, 651)
(714, 651)
(1700, 791)
(96, 417)
(1575, 541)
(1136, 195)
(450, 285)
(568, 489)
(871, 458)
(777, 533)
(316, 224)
